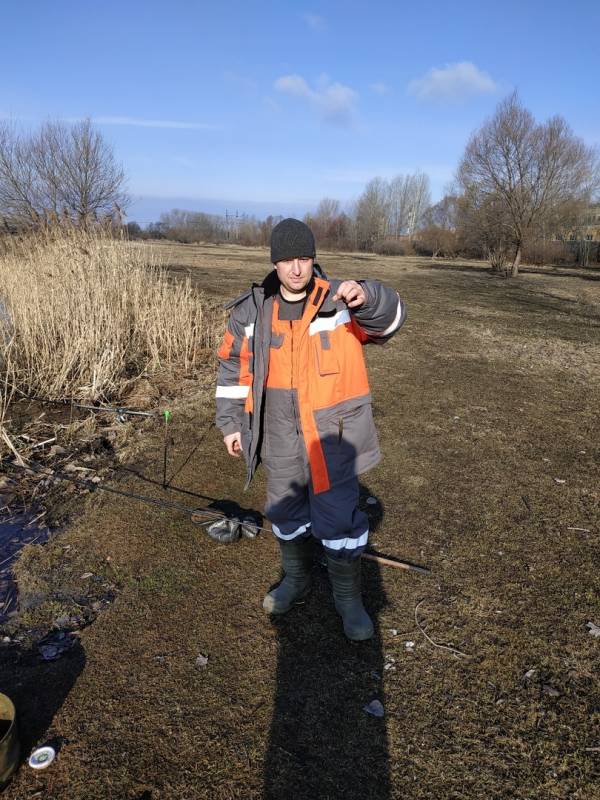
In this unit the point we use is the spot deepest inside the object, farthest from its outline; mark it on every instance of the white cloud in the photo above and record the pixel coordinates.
(335, 102)
(452, 83)
(153, 123)
(379, 88)
(315, 22)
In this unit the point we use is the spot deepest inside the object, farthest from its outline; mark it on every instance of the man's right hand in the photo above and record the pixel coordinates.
(233, 443)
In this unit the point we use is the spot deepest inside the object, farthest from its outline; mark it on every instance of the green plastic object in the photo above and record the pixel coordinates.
(9, 739)
(167, 415)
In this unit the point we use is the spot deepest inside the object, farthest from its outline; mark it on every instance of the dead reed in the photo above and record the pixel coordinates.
(88, 312)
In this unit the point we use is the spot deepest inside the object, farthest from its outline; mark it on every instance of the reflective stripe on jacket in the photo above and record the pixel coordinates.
(314, 366)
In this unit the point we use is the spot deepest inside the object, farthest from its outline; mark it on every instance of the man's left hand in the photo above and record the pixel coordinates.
(352, 293)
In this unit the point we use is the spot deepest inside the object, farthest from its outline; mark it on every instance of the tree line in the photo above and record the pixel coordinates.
(521, 190)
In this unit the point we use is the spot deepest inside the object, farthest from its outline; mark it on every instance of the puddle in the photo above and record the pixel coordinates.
(15, 532)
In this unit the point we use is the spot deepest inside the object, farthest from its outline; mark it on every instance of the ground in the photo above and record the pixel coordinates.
(487, 409)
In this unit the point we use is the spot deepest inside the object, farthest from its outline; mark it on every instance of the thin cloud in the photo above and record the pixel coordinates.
(379, 88)
(154, 123)
(452, 83)
(315, 22)
(335, 102)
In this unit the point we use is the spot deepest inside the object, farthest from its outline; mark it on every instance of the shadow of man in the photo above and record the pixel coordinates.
(322, 742)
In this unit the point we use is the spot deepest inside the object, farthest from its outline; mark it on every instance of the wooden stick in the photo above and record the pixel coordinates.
(18, 458)
(396, 563)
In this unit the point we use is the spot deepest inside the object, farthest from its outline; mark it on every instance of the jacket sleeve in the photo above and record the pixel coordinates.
(383, 313)
(234, 378)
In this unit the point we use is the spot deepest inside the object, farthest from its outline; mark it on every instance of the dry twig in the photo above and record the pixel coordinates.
(430, 640)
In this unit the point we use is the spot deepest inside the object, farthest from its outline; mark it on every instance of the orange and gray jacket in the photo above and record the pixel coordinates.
(310, 375)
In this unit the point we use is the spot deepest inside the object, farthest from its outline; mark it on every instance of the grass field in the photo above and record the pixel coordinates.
(487, 406)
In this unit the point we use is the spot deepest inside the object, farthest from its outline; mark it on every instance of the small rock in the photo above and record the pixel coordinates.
(559, 480)
(96, 479)
(86, 575)
(593, 629)
(374, 708)
(409, 645)
(202, 661)
(49, 652)
(529, 674)
(550, 690)
(394, 631)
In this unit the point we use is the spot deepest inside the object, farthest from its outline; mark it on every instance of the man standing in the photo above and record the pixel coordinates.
(293, 394)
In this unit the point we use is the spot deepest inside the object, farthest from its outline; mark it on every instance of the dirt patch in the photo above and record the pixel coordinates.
(490, 477)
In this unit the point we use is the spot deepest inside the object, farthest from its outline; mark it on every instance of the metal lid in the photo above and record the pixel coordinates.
(42, 757)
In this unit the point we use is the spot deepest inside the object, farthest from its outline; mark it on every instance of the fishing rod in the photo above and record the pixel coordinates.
(217, 517)
(119, 410)
(88, 484)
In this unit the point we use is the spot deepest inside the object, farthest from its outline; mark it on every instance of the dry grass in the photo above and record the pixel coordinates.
(473, 441)
(91, 312)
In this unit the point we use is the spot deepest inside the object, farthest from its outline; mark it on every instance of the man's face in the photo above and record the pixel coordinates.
(295, 273)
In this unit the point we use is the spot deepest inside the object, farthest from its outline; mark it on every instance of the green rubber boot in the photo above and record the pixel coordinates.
(296, 559)
(345, 582)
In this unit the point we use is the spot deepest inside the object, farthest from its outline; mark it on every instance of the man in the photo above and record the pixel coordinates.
(293, 394)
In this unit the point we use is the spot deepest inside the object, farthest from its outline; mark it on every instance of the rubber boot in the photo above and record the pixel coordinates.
(296, 559)
(345, 582)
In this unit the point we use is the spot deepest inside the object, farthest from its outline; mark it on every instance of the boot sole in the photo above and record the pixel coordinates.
(362, 637)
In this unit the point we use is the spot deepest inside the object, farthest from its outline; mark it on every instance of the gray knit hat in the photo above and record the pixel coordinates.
(291, 238)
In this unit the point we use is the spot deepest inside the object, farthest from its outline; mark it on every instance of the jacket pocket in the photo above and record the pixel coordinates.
(277, 340)
(327, 360)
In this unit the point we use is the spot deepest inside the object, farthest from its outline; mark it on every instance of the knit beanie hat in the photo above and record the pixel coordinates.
(291, 238)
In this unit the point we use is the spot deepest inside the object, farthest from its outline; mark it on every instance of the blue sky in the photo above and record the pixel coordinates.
(269, 106)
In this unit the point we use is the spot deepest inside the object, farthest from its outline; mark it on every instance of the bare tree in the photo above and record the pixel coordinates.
(528, 171)
(19, 184)
(372, 213)
(60, 170)
(408, 201)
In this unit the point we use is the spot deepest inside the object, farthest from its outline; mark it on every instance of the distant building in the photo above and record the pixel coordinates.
(591, 223)
(589, 230)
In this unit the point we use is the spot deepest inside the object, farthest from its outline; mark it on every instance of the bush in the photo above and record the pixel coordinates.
(88, 312)
(436, 241)
(547, 253)
(391, 246)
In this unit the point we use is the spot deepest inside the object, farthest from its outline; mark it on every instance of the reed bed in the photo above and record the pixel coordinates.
(86, 312)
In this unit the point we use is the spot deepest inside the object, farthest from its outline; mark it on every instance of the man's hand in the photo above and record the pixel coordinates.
(352, 293)
(233, 443)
